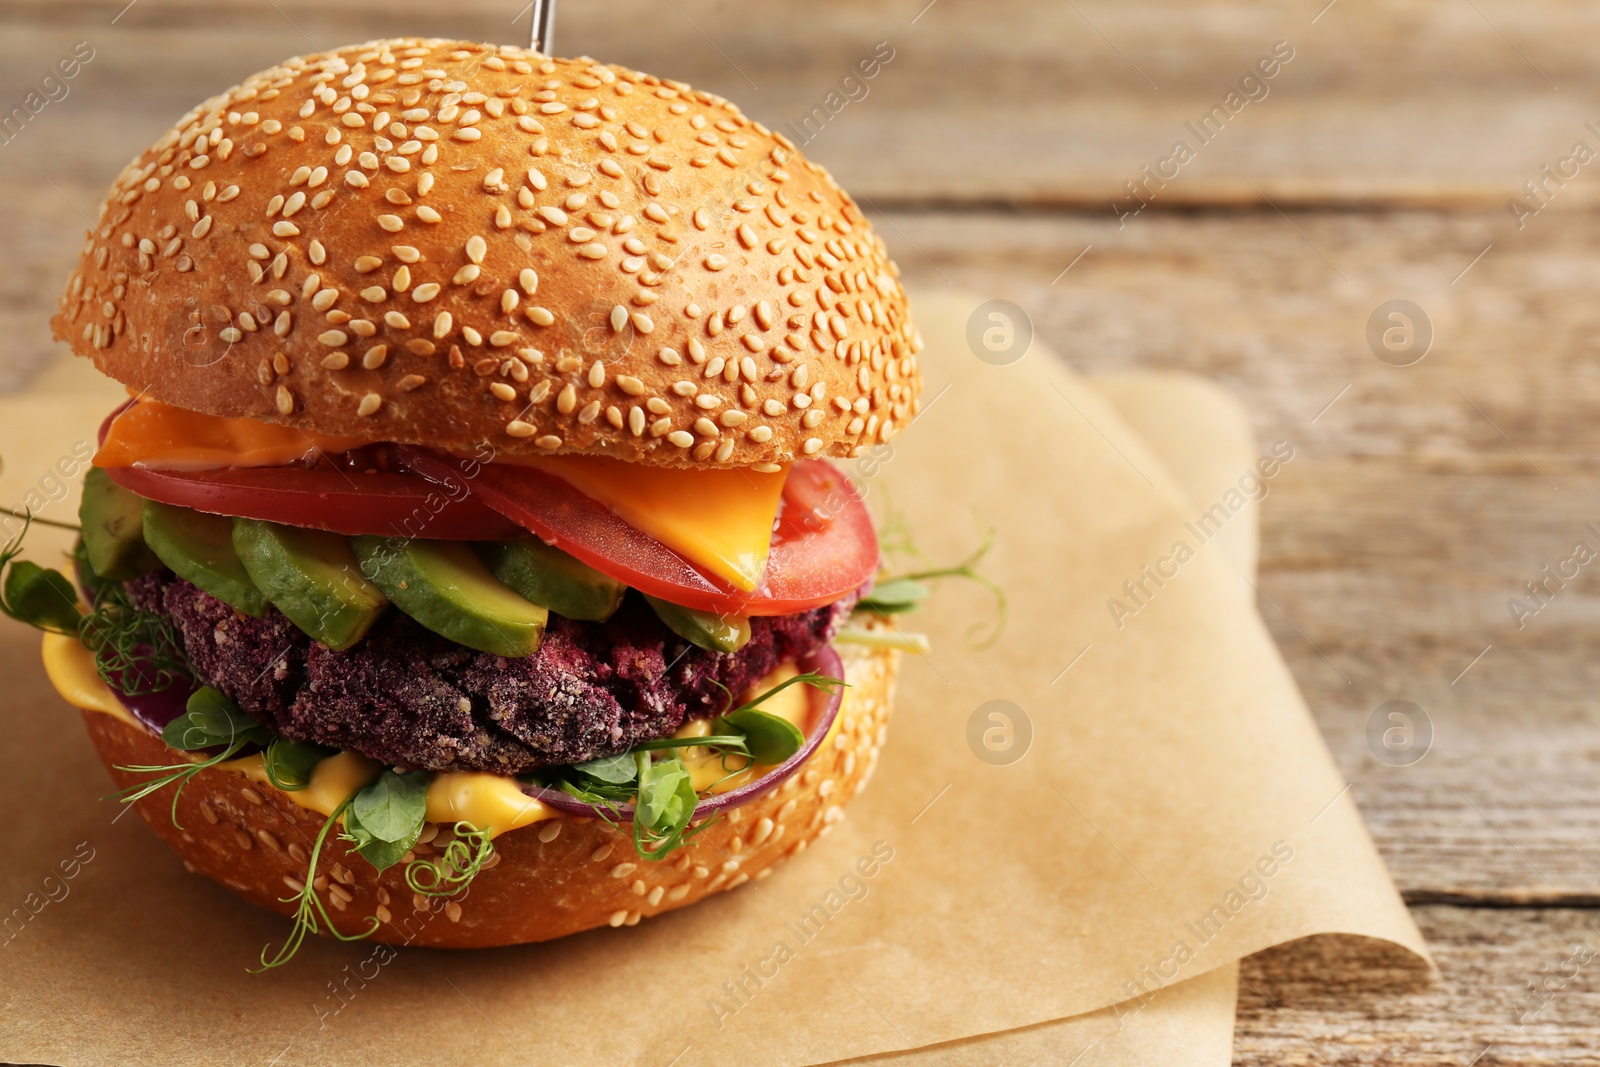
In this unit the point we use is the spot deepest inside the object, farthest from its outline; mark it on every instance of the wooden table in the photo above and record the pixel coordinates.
(1377, 166)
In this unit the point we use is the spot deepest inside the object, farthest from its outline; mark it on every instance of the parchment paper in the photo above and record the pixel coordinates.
(1174, 811)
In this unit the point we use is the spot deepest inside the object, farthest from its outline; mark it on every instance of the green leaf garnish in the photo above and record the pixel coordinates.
(613, 770)
(44, 599)
(896, 594)
(289, 763)
(454, 871)
(385, 819)
(309, 907)
(768, 738)
(210, 720)
(664, 807)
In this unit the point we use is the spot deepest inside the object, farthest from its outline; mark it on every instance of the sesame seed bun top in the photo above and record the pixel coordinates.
(445, 243)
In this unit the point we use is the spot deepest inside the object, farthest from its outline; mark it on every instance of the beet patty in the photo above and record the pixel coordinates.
(408, 697)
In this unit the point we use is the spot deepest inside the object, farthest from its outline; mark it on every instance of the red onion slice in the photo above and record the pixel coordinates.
(824, 661)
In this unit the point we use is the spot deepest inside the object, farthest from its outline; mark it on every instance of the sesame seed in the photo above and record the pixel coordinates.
(231, 334)
(285, 401)
(392, 223)
(681, 438)
(549, 441)
(502, 338)
(477, 248)
(369, 404)
(715, 262)
(540, 316)
(503, 391)
(467, 274)
(425, 292)
(428, 215)
(518, 428)
(375, 356)
(593, 251)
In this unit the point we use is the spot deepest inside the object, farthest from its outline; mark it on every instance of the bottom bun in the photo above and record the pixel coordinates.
(545, 880)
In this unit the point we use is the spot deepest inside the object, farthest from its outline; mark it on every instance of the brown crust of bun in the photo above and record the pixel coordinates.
(255, 841)
(713, 300)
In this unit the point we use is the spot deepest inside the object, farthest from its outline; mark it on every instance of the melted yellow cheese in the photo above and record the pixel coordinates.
(333, 780)
(487, 801)
(70, 668)
(719, 520)
(163, 437)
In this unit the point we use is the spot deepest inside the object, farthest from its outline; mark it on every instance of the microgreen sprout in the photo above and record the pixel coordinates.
(905, 592)
(135, 651)
(454, 871)
(311, 915)
(210, 721)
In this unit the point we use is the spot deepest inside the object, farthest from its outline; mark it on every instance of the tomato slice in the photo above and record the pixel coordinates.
(344, 502)
(352, 502)
(823, 545)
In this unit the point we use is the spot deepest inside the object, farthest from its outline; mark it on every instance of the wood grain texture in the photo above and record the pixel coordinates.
(1517, 987)
(1010, 101)
(1420, 499)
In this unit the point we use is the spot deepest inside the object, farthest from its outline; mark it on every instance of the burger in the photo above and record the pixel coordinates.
(475, 559)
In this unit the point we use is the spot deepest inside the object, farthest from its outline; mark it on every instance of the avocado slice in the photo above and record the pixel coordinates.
(703, 629)
(199, 548)
(552, 579)
(447, 588)
(113, 529)
(312, 577)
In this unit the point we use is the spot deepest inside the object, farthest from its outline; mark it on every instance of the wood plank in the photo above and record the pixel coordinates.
(1005, 102)
(1344, 1001)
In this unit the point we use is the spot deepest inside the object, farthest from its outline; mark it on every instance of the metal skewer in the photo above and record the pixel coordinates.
(542, 26)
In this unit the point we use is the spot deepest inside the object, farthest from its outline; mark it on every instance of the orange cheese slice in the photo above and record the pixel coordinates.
(159, 436)
(719, 520)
